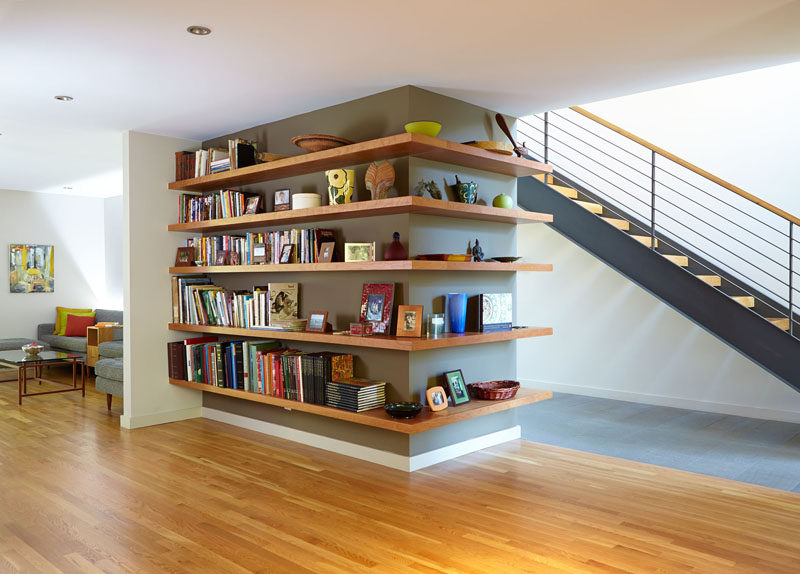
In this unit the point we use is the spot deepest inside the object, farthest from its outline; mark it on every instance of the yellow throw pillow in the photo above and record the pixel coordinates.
(61, 318)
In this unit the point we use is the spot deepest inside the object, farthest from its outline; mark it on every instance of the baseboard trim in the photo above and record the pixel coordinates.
(369, 454)
(665, 401)
(129, 422)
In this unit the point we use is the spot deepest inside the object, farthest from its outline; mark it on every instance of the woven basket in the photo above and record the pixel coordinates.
(494, 390)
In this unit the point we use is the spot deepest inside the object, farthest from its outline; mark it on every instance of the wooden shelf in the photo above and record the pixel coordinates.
(372, 208)
(426, 420)
(375, 341)
(408, 265)
(413, 145)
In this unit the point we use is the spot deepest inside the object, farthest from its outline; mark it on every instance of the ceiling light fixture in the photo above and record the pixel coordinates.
(64, 98)
(67, 187)
(199, 30)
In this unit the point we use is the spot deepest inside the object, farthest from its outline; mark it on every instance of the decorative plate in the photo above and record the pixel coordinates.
(445, 257)
(506, 259)
(319, 142)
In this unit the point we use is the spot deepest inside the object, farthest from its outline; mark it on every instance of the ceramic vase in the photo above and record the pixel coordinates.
(457, 307)
(395, 251)
(341, 183)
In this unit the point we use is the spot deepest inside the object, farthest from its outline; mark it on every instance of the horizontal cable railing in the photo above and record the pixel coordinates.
(723, 229)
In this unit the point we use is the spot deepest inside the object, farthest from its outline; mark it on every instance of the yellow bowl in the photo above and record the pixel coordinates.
(426, 128)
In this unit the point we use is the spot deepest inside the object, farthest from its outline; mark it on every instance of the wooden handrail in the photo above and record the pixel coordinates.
(690, 166)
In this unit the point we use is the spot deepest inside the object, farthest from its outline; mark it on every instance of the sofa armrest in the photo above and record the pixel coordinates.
(45, 329)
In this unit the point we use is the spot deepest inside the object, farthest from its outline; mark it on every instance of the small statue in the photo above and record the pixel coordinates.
(477, 252)
(431, 187)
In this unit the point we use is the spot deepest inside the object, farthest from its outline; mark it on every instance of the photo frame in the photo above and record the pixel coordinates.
(281, 200)
(437, 398)
(376, 306)
(457, 387)
(326, 250)
(184, 257)
(286, 253)
(252, 205)
(354, 252)
(234, 258)
(317, 322)
(222, 257)
(409, 321)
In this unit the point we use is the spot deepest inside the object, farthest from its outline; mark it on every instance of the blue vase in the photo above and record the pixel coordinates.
(457, 306)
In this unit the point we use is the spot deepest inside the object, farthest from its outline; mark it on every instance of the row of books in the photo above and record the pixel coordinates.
(197, 301)
(190, 164)
(217, 205)
(260, 248)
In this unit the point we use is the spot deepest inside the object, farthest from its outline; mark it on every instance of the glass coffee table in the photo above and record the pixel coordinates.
(24, 363)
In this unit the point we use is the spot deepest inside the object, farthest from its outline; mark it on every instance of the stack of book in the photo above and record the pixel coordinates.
(355, 394)
(190, 164)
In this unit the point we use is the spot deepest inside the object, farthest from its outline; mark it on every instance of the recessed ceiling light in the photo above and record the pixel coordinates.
(64, 98)
(199, 30)
(67, 187)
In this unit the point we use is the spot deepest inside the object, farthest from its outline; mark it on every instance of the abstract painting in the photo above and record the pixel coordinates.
(31, 268)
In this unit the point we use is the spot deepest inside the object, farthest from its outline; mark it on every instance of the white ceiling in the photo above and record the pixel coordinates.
(131, 65)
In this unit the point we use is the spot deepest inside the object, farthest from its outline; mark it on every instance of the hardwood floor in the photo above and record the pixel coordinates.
(79, 494)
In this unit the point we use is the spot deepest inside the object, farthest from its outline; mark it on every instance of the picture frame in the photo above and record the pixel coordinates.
(376, 306)
(286, 253)
(457, 387)
(222, 257)
(234, 258)
(184, 257)
(326, 250)
(409, 321)
(281, 200)
(359, 252)
(317, 322)
(437, 398)
(252, 205)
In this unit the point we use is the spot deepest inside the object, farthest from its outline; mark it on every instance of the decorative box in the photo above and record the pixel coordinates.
(361, 329)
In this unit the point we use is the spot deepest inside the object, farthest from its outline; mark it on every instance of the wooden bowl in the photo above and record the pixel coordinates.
(319, 142)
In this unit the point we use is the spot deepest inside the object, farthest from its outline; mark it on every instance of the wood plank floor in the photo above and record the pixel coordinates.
(79, 494)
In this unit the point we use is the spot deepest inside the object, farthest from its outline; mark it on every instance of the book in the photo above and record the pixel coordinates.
(494, 312)
(176, 360)
(283, 303)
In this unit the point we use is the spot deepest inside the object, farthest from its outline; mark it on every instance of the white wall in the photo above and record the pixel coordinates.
(613, 339)
(112, 218)
(74, 226)
(148, 252)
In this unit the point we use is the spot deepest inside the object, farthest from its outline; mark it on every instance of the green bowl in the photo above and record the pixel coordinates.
(426, 128)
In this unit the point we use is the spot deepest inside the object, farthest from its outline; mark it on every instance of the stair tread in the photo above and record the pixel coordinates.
(780, 322)
(566, 191)
(593, 207)
(645, 240)
(745, 300)
(681, 260)
(713, 280)
(622, 224)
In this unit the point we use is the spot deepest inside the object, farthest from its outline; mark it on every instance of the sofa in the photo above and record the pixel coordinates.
(108, 370)
(44, 333)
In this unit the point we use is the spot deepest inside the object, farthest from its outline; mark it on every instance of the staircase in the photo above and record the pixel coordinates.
(722, 257)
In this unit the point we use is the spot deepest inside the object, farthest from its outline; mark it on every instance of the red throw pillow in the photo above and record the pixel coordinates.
(76, 325)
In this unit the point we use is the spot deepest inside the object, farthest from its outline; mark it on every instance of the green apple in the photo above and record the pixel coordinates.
(504, 201)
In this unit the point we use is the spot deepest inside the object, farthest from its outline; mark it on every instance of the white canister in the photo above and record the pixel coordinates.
(305, 200)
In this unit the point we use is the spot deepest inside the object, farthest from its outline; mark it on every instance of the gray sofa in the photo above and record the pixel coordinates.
(44, 333)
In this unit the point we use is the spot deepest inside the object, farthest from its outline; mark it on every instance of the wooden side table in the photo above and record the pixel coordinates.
(95, 336)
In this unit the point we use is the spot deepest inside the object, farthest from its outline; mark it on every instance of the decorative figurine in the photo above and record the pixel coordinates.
(395, 250)
(431, 187)
(379, 179)
(477, 252)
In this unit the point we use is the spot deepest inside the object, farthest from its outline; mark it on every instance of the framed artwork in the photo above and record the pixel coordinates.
(437, 399)
(359, 251)
(184, 256)
(281, 202)
(376, 306)
(221, 257)
(286, 253)
(456, 386)
(326, 252)
(409, 321)
(233, 258)
(31, 268)
(252, 205)
(317, 321)
(259, 253)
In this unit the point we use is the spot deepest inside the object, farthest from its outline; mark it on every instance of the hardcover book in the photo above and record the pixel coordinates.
(283, 303)
(494, 312)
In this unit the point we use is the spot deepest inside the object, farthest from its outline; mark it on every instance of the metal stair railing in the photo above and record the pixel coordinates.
(723, 229)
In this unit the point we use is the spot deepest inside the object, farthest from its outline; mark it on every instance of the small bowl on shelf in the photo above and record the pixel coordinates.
(319, 142)
(506, 259)
(32, 349)
(425, 128)
(403, 410)
(199, 263)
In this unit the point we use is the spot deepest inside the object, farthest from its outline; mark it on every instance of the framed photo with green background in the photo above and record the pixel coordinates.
(456, 387)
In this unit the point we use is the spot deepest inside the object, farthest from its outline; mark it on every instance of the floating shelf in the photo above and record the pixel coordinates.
(426, 420)
(377, 207)
(375, 341)
(408, 265)
(413, 145)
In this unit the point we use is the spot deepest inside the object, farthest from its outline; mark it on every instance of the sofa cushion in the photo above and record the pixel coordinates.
(110, 349)
(77, 325)
(60, 342)
(61, 318)
(108, 316)
(109, 369)
(109, 386)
